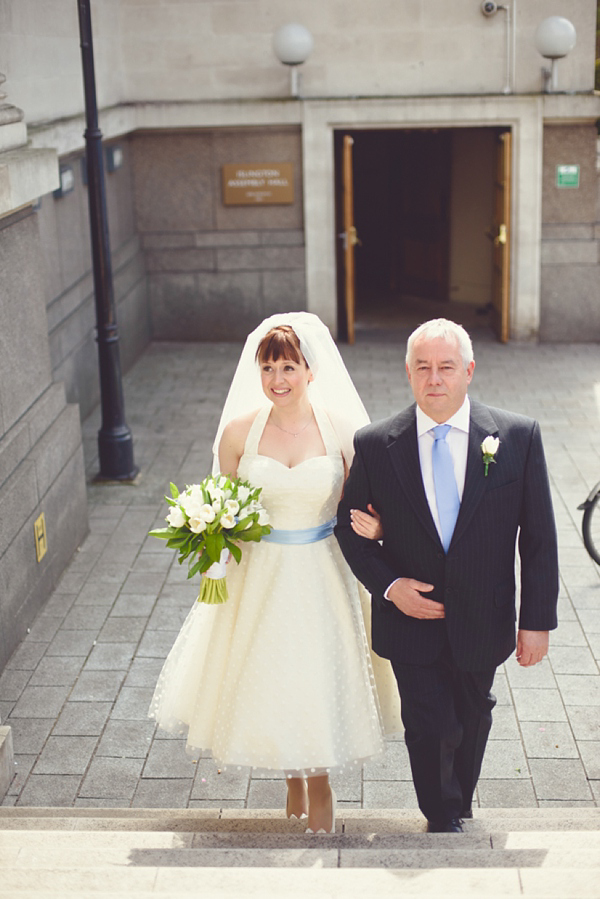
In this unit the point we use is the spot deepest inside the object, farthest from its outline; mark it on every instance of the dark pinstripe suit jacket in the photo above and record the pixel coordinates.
(476, 578)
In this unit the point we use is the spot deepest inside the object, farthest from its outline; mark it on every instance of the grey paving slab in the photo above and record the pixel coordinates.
(509, 793)
(133, 605)
(572, 660)
(166, 759)
(559, 779)
(548, 739)
(97, 686)
(133, 703)
(504, 759)
(539, 705)
(98, 595)
(72, 643)
(590, 756)
(228, 784)
(30, 734)
(22, 765)
(13, 682)
(584, 723)
(110, 657)
(110, 778)
(26, 656)
(40, 702)
(580, 689)
(164, 792)
(122, 630)
(126, 739)
(50, 790)
(57, 671)
(65, 755)
(82, 719)
(389, 794)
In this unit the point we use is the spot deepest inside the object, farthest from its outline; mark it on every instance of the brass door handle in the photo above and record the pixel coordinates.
(501, 236)
(353, 237)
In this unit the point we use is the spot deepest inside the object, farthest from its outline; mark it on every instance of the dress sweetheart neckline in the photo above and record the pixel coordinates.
(289, 467)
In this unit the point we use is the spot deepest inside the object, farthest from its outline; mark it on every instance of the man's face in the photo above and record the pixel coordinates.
(438, 376)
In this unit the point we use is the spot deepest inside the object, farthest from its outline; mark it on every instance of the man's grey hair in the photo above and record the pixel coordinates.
(447, 330)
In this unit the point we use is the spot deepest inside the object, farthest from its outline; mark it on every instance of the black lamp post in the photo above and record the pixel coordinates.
(115, 443)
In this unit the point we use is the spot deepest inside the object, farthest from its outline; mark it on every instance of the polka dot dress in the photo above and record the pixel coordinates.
(280, 677)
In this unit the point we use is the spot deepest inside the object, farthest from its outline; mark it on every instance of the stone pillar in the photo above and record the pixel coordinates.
(41, 457)
(7, 762)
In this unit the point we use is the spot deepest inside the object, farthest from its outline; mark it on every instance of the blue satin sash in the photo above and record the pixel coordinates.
(303, 535)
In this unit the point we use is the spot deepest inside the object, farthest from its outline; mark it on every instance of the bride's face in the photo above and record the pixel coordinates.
(284, 382)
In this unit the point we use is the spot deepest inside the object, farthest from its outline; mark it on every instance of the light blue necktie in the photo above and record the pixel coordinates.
(446, 492)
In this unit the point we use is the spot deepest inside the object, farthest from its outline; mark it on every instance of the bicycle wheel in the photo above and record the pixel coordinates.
(591, 528)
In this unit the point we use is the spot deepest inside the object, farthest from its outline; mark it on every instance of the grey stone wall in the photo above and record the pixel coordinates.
(215, 271)
(68, 281)
(570, 288)
(41, 459)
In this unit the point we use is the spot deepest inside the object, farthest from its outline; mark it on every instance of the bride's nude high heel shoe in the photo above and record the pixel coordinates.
(291, 815)
(333, 807)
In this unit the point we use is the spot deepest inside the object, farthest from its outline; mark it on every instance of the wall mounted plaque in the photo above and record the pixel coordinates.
(258, 184)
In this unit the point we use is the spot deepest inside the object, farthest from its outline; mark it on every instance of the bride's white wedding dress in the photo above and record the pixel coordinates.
(280, 676)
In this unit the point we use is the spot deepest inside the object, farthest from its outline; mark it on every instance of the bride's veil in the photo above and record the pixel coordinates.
(331, 390)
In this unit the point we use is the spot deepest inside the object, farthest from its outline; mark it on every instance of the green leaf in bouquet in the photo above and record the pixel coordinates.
(174, 490)
(234, 550)
(199, 565)
(243, 523)
(255, 533)
(178, 542)
(214, 544)
(161, 533)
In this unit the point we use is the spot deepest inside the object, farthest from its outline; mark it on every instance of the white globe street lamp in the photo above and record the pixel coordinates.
(293, 44)
(555, 37)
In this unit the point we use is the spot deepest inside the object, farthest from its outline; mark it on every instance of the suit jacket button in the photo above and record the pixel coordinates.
(440, 555)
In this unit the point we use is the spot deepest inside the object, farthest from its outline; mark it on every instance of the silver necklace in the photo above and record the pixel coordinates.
(285, 431)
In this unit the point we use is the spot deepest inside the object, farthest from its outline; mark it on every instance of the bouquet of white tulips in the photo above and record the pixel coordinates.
(206, 522)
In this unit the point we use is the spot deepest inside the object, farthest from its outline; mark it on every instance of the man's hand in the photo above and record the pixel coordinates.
(405, 593)
(532, 646)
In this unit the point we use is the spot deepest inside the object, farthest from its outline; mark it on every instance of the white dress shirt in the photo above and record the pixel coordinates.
(458, 444)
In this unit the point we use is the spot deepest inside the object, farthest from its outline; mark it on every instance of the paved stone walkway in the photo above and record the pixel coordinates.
(76, 691)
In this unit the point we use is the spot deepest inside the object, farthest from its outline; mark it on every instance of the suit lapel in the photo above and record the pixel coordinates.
(482, 424)
(404, 456)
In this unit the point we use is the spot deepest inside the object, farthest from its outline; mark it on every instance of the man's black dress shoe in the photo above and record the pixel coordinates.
(454, 825)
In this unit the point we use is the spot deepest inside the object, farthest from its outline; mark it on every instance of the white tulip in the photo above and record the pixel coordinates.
(197, 524)
(232, 506)
(176, 518)
(227, 520)
(207, 512)
(263, 517)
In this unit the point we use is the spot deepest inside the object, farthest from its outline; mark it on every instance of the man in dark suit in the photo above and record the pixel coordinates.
(443, 577)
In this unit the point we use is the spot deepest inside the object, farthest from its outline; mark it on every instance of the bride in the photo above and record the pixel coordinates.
(280, 677)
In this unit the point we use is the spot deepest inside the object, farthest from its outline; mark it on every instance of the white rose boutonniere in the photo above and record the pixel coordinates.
(489, 448)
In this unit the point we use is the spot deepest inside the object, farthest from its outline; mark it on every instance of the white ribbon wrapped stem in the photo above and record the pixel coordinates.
(218, 569)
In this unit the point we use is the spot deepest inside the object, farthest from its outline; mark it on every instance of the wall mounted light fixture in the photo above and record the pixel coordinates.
(555, 37)
(293, 44)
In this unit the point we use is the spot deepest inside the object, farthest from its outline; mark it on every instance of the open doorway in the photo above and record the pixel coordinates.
(428, 208)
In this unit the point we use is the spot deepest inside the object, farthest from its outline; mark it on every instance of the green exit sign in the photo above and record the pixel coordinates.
(567, 176)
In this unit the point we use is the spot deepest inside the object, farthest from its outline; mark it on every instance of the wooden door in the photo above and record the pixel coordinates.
(348, 236)
(501, 236)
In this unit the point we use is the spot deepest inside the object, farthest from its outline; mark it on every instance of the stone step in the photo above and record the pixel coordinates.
(309, 855)
(355, 821)
(138, 853)
(317, 883)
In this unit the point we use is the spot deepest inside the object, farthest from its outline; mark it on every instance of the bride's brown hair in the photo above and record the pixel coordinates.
(280, 343)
